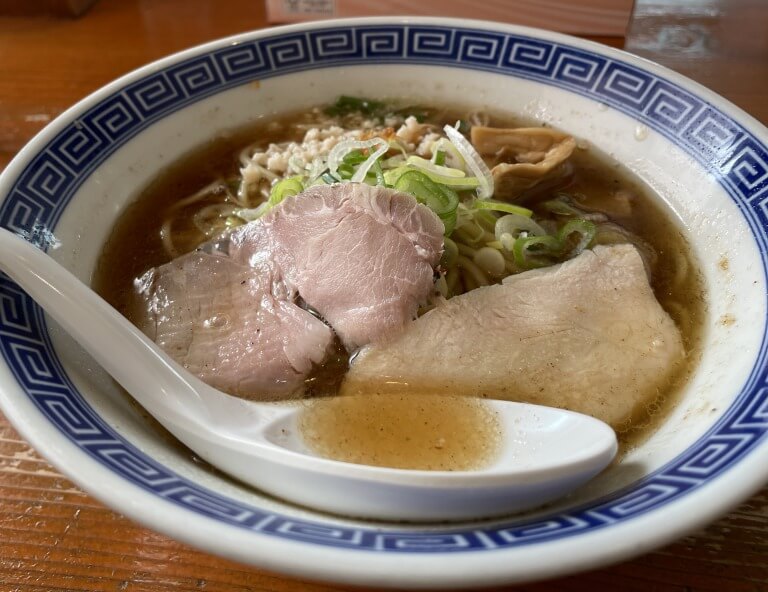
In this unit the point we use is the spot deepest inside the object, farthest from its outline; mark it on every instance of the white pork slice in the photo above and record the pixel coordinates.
(232, 325)
(362, 256)
(586, 335)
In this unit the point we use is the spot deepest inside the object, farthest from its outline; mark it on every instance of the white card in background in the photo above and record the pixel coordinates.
(299, 10)
(585, 17)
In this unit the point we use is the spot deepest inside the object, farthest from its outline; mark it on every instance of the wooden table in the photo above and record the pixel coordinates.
(55, 537)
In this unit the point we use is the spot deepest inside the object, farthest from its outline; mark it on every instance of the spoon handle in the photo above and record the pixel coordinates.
(128, 355)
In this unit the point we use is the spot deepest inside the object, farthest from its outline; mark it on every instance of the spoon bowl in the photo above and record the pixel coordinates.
(545, 452)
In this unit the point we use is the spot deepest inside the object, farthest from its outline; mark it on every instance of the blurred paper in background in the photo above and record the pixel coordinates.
(585, 17)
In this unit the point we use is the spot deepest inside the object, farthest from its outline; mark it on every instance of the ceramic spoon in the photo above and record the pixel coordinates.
(546, 452)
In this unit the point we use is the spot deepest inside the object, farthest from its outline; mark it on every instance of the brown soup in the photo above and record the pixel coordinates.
(135, 245)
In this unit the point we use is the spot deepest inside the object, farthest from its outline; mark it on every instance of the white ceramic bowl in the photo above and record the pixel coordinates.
(705, 158)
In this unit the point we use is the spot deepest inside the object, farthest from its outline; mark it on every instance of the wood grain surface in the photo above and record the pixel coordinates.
(55, 537)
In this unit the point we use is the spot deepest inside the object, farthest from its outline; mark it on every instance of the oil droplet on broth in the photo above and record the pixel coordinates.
(423, 432)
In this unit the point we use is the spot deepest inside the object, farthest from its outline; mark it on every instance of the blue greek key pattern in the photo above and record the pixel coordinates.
(108, 122)
(16, 312)
(671, 107)
(540, 530)
(747, 169)
(240, 62)
(131, 465)
(625, 84)
(726, 150)
(287, 51)
(337, 45)
(382, 43)
(426, 42)
(153, 94)
(712, 134)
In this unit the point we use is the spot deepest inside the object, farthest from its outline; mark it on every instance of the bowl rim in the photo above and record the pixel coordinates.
(713, 498)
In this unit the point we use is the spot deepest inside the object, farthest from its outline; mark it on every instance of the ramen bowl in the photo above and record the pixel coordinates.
(704, 158)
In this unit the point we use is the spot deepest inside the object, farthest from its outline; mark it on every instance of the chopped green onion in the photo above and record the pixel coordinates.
(473, 160)
(562, 205)
(350, 161)
(442, 200)
(345, 171)
(354, 157)
(377, 170)
(516, 225)
(500, 206)
(431, 167)
(439, 158)
(373, 157)
(345, 105)
(453, 157)
(458, 183)
(370, 150)
(584, 228)
(285, 188)
(526, 248)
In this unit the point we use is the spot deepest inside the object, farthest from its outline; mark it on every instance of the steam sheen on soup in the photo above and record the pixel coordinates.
(368, 248)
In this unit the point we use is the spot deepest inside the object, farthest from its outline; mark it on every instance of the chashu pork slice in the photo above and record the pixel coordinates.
(233, 326)
(362, 256)
(586, 335)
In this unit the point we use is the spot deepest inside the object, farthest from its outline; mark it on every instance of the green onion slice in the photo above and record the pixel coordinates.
(354, 157)
(360, 161)
(428, 165)
(458, 183)
(473, 160)
(350, 161)
(516, 225)
(562, 205)
(442, 200)
(285, 188)
(528, 250)
(371, 160)
(453, 157)
(379, 172)
(345, 105)
(500, 206)
(585, 230)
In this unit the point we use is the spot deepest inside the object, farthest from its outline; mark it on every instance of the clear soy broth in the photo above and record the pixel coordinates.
(438, 433)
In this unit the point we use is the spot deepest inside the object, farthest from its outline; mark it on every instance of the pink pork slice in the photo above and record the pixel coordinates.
(230, 325)
(362, 257)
